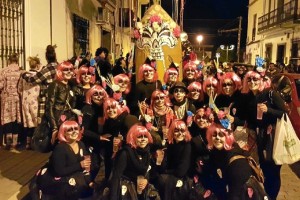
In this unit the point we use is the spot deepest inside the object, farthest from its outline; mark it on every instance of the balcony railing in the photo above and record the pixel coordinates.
(288, 12)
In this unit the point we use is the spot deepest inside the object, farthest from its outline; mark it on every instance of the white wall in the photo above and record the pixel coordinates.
(37, 28)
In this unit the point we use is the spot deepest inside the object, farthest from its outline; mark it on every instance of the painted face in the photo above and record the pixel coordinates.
(202, 121)
(173, 77)
(179, 134)
(148, 75)
(86, 77)
(190, 73)
(68, 73)
(228, 87)
(98, 97)
(142, 141)
(159, 100)
(218, 139)
(123, 84)
(210, 89)
(179, 94)
(112, 111)
(71, 134)
(253, 83)
(195, 94)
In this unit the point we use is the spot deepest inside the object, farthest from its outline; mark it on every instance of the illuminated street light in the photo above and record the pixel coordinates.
(227, 48)
(200, 39)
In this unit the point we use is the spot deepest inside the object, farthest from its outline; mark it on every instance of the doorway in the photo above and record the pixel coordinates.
(106, 40)
(280, 53)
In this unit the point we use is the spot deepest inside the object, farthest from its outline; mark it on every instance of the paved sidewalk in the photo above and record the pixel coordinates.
(290, 185)
(16, 169)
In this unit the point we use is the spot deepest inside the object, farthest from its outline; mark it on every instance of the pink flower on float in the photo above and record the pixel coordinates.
(177, 31)
(155, 18)
(136, 34)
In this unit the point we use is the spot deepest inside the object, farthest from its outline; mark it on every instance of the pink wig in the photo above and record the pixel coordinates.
(234, 78)
(170, 70)
(156, 93)
(61, 67)
(134, 132)
(195, 86)
(178, 124)
(64, 127)
(205, 112)
(249, 75)
(216, 128)
(145, 67)
(92, 91)
(123, 77)
(83, 70)
(112, 102)
(211, 81)
(190, 65)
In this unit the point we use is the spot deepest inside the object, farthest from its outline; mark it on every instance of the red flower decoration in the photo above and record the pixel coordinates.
(136, 34)
(177, 31)
(155, 18)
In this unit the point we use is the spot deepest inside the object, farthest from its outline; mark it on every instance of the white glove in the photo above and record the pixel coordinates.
(77, 112)
(147, 118)
(179, 183)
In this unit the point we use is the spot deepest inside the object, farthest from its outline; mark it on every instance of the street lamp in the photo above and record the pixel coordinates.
(227, 48)
(200, 39)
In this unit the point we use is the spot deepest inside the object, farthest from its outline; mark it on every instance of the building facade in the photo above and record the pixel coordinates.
(273, 31)
(74, 26)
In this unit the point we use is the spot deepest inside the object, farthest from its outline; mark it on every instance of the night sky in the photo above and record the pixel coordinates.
(208, 16)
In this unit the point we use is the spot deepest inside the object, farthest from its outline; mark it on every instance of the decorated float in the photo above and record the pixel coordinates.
(157, 36)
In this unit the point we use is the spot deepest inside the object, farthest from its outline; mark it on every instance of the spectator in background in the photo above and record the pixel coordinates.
(120, 67)
(103, 67)
(29, 94)
(272, 70)
(44, 78)
(10, 102)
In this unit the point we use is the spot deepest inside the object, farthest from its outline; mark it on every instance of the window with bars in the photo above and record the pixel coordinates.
(11, 30)
(81, 35)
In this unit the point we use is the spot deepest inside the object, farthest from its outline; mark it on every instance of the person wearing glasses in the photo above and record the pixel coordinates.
(117, 122)
(176, 163)
(182, 107)
(210, 89)
(262, 107)
(85, 78)
(190, 73)
(158, 117)
(171, 76)
(229, 100)
(231, 164)
(200, 168)
(60, 100)
(67, 173)
(131, 170)
(149, 82)
(124, 87)
(195, 94)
